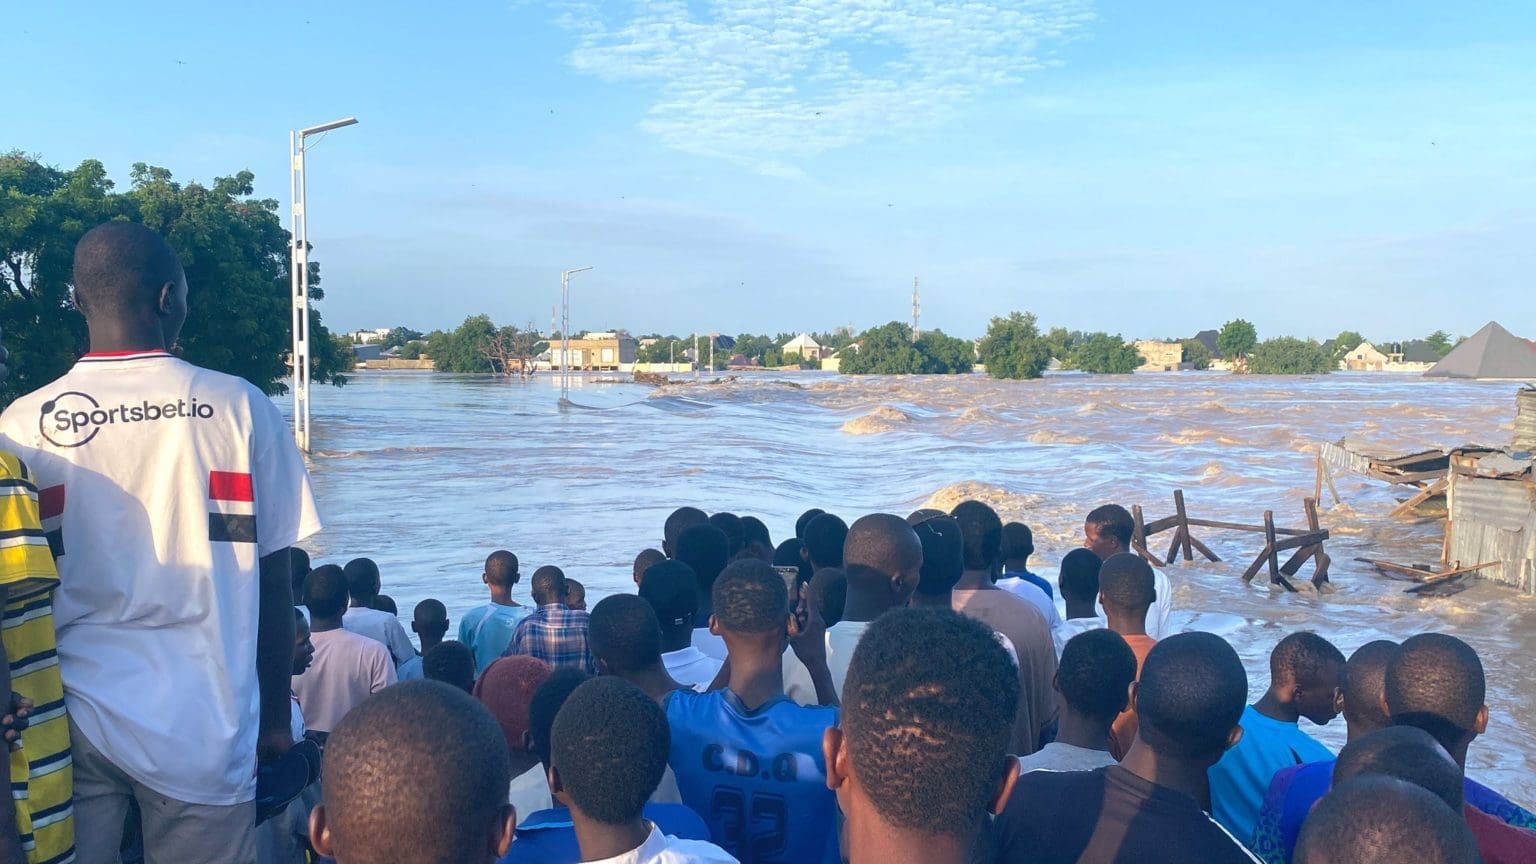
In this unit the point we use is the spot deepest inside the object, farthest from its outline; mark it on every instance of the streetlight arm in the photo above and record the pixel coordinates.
(326, 127)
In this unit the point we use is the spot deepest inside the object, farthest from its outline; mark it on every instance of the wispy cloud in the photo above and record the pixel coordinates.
(770, 84)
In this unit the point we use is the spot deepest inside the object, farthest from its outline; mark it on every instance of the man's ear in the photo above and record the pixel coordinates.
(602, 666)
(1056, 681)
(320, 832)
(1233, 737)
(1130, 695)
(834, 751)
(714, 625)
(504, 829)
(556, 787)
(1005, 786)
(1480, 722)
(165, 304)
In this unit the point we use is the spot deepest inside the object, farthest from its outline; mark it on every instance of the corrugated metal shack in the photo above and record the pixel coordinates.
(1525, 419)
(1492, 505)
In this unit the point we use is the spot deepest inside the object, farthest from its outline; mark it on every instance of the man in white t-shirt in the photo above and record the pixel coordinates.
(673, 591)
(1078, 580)
(178, 492)
(1107, 531)
(348, 667)
(363, 586)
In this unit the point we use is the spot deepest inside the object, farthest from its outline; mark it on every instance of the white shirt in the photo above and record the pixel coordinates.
(1073, 626)
(841, 639)
(709, 643)
(1034, 594)
(529, 792)
(661, 848)
(382, 626)
(348, 668)
(691, 667)
(1057, 756)
(171, 482)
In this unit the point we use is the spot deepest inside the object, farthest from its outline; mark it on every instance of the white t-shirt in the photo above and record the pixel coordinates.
(348, 668)
(661, 848)
(841, 639)
(529, 792)
(691, 667)
(169, 483)
(1034, 594)
(1073, 626)
(709, 643)
(382, 626)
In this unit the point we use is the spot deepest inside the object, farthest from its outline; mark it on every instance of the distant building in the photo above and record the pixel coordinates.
(804, 346)
(1208, 339)
(1160, 356)
(596, 351)
(833, 361)
(1365, 357)
(369, 337)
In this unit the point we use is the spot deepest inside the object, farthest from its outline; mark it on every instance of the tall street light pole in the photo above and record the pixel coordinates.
(565, 331)
(297, 145)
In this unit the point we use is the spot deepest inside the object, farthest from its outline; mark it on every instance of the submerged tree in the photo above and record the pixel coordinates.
(1013, 347)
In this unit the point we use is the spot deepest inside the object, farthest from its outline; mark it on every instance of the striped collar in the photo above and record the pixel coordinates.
(115, 356)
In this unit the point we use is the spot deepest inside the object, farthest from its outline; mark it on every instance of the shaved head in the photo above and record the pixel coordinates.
(125, 272)
(882, 552)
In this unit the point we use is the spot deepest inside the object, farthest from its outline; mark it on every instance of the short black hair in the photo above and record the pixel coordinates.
(548, 581)
(983, 532)
(298, 568)
(430, 615)
(788, 555)
(610, 744)
(681, 520)
(362, 579)
(1192, 692)
(1365, 683)
(1078, 577)
(501, 568)
(834, 593)
(325, 591)
(385, 603)
(735, 532)
(928, 710)
(1405, 753)
(1383, 820)
(424, 744)
(1302, 657)
(1018, 541)
(1114, 521)
(546, 703)
(757, 532)
(624, 633)
(120, 269)
(805, 519)
(878, 547)
(451, 663)
(673, 592)
(1095, 674)
(1127, 582)
(1436, 683)
(824, 539)
(749, 597)
(574, 589)
(943, 555)
(707, 550)
(647, 559)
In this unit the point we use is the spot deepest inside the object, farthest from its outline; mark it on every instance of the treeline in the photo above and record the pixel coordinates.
(477, 345)
(236, 252)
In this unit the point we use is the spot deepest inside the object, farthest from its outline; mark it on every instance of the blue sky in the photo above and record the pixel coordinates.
(1138, 167)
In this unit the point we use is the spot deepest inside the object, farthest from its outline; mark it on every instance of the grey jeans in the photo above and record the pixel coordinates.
(175, 832)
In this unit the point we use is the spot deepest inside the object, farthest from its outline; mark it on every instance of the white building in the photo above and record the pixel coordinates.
(804, 346)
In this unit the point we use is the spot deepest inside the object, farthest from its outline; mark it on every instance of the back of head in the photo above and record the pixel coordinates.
(928, 708)
(706, 549)
(758, 539)
(983, 532)
(298, 563)
(805, 519)
(750, 599)
(430, 617)
(1112, 520)
(788, 555)
(501, 569)
(923, 514)
(1365, 683)
(385, 603)
(647, 559)
(547, 585)
(830, 588)
(546, 704)
(575, 594)
(735, 533)
(1095, 674)
(1436, 683)
(1303, 656)
(506, 689)
(418, 772)
(1192, 691)
(120, 268)
(1126, 583)
(609, 746)
(1383, 820)
(824, 540)
(451, 663)
(679, 521)
(880, 547)
(673, 592)
(943, 556)
(625, 634)
(1018, 541)
(1078, 578)
(325, 591)
(1407, 754)
(362, 580)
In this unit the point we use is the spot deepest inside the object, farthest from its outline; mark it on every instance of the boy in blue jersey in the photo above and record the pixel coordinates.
(486, 630)
(747, 758)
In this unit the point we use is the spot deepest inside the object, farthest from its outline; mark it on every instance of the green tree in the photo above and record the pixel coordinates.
(884, 350)
(1440, 341)
(1287, 355)
(398, 337)
(1102, 353)
(1344, 343)
(1061, 341)
(464, 348)
(1236, 339)
(1196, 354)
(943, 354)
(1013, 347)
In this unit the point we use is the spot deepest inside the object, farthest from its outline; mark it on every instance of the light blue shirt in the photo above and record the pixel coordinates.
(410, 670)
(1241, 779)
(487, 630)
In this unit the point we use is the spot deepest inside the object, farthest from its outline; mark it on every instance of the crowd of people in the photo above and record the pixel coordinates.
(184, 686)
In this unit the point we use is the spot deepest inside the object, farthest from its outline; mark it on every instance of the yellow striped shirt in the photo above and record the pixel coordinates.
(42, 780)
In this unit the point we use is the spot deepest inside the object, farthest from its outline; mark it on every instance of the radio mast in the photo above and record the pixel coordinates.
(917, 311)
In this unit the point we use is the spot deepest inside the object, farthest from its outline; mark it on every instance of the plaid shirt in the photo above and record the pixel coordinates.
(556, 635)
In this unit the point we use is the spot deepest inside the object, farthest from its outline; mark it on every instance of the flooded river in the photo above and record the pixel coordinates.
(428, 473)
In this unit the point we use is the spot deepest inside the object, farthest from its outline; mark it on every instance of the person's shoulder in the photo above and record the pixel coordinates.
(676, 850)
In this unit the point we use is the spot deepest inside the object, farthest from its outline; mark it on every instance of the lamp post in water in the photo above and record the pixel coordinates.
(297, 145)
(565, 331)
